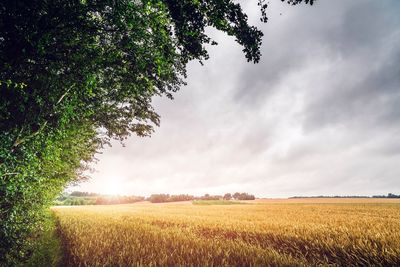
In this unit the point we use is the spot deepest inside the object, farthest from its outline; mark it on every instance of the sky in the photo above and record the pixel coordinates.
(319, 115)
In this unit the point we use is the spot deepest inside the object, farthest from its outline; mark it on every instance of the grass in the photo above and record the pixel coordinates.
(263, 234)
(216, 202)
(47, 250)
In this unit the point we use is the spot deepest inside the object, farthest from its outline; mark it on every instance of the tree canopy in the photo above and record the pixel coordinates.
(75, 74)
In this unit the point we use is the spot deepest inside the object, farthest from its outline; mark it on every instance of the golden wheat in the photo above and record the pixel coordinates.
(269, 233)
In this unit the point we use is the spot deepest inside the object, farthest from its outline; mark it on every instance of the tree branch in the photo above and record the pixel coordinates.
(10, 173)
(62, 97)
(20, 141)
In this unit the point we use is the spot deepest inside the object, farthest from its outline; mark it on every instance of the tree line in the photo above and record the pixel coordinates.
(87, 198)
(389, 195)
(84, 198)
(161, 198)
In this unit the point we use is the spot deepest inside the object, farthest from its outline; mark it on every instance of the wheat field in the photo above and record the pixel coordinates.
(312, 232)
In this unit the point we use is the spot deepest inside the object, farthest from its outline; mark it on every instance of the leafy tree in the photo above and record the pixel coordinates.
(236, 195)
(245, 196)
(159, 198)
(228, 196)
(75, 74)
(181, 197)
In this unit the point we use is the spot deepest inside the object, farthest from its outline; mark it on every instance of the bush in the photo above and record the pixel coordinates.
(32, 176)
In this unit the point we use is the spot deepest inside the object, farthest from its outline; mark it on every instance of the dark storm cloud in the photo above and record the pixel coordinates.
(318, 115)
(364, 84)
(370, 97)
(355, 31)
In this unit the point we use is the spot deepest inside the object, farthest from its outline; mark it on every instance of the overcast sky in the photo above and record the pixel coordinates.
(319, 115)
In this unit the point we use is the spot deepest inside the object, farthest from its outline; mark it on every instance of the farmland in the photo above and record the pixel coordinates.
(295, 232)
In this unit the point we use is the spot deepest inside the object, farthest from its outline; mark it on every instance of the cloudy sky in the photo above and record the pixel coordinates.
(320, 114)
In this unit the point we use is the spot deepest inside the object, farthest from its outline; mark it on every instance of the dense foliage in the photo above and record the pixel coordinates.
(75, 74)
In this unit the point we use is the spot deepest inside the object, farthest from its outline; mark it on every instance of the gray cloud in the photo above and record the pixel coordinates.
(318, 115)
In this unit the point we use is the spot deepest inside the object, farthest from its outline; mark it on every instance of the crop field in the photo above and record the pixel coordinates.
(294, 232)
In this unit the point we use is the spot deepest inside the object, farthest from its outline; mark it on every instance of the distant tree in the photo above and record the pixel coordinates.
(174, 198)
(210, 197)
(82, 194)
(236, 195)
(159, 198)
(243, 196)
(228, 196)
(246, 196)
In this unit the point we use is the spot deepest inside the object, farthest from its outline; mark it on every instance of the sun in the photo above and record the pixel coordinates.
(113, 188)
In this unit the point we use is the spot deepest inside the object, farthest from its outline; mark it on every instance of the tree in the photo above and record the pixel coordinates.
(228, 196)
(159, 198)
(75, 74)
(245, 196)
(236, 195)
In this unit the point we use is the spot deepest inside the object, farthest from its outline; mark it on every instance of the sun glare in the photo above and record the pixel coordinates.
(113, 188)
